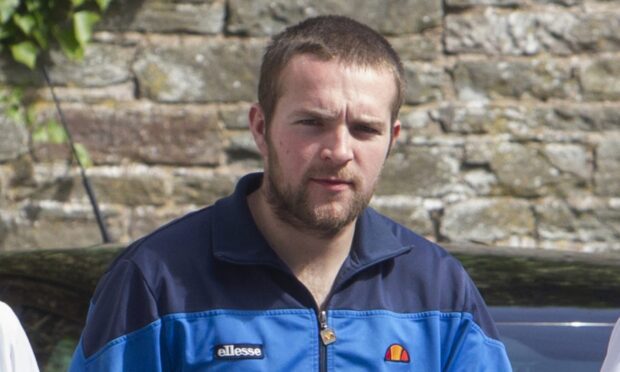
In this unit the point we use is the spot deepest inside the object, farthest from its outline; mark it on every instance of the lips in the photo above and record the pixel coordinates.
(334, 184)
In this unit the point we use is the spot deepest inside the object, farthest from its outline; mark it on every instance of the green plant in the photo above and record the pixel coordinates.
(28, 27)
(41, 131)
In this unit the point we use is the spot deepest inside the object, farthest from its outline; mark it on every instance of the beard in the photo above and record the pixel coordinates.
(292, 205)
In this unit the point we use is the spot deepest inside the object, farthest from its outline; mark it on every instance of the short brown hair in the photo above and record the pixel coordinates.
(327, 37)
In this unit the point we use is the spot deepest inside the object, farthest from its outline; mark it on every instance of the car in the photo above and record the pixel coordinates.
(554, 310)
(551, 339)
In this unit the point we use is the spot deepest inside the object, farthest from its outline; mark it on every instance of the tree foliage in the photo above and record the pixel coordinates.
(28, 27)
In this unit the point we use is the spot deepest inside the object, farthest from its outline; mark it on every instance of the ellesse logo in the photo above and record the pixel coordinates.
(239, 351)
(396, 353)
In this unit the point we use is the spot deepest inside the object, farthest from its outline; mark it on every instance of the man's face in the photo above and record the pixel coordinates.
(327, 141)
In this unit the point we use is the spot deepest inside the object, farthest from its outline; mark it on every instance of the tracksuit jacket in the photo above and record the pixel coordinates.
(207, 293)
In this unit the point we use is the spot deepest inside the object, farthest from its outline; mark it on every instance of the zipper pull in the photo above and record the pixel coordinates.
(328, 336)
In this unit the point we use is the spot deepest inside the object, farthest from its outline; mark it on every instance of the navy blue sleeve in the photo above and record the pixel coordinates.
(120, 326)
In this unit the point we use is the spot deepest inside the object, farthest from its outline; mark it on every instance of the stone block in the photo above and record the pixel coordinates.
(416, 123)
(489, 79)
(263, 17)
(555, 220)
(48, 225)
(13, 140)
(416, 47)
(481, 181)
(577, 118)
(103, 64)
(131, 186)
(214, 71)
(562, 2)
(487, 220)
(600, 79)
(492, 33)
(408, 211)
(128, 185)
(522, 170)
(241, 146)
(147, 219)
(200, 187)
(607, 174)
(420, 171)
(14, 73)
(610, 221)
(498, 3)
(481, 119)
(234, 117)
(200, 17)
(5, 230)
(479, 151)
(527, 33)
(147, 133)
(122, 92)
(424, 83)
(574, 159)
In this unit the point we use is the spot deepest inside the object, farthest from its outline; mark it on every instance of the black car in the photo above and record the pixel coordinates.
(554, 310)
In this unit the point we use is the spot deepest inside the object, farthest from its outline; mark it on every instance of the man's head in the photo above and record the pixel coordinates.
(327, 38)
(328, 123)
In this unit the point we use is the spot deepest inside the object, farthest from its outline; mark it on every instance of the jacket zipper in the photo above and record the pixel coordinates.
(327, 337)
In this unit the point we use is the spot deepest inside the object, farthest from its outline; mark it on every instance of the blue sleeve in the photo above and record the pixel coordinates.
(476, 346)
(122, 331)
(474, 351)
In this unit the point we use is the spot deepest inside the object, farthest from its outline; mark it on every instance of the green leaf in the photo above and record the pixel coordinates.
(31, 116)
(41, 38)
(40, 135)
(7, 8)
(33, 5)
(68, 43)
(25, 22)
(77, 3)
(83, 23)
(83, 155)
(50, 132)
(56, 132)
(103, 4)
(25, 52)
(4, 33)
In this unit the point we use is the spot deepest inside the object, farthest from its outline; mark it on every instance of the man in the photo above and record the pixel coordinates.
(612, 359)
(293, 272)
(15, 351)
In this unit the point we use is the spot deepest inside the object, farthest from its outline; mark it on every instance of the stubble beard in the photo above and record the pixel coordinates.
(293, 206)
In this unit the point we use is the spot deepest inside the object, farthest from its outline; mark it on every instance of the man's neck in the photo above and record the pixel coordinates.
(313, 257)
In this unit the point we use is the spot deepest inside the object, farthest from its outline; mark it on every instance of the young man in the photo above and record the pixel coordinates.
(293, 272)
(612, 359)
(15, 351)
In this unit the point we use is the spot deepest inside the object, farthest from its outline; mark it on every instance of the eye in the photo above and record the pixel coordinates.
(366, 129)
(309, 122)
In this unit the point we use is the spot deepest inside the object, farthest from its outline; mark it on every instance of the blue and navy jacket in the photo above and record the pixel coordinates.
(207, 293)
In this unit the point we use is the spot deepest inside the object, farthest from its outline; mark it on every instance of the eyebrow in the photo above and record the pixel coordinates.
(315, 113)
(330, 116)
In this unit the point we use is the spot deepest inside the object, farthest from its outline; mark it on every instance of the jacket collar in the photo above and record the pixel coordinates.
(236, 237)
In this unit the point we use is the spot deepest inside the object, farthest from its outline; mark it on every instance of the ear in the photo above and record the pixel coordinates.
(395, 132)
(394, 135)
(258, 127)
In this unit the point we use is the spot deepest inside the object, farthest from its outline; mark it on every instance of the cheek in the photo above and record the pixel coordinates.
(373, 161)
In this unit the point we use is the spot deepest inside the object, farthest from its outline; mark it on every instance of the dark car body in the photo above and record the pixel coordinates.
(554, 310)
(553, 339)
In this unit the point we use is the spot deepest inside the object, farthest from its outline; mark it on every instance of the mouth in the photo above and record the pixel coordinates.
(332, 183)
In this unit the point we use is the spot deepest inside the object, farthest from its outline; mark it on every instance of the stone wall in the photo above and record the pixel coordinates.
(511, 124)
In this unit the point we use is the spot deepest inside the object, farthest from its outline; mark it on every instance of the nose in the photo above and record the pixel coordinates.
(337, 146)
